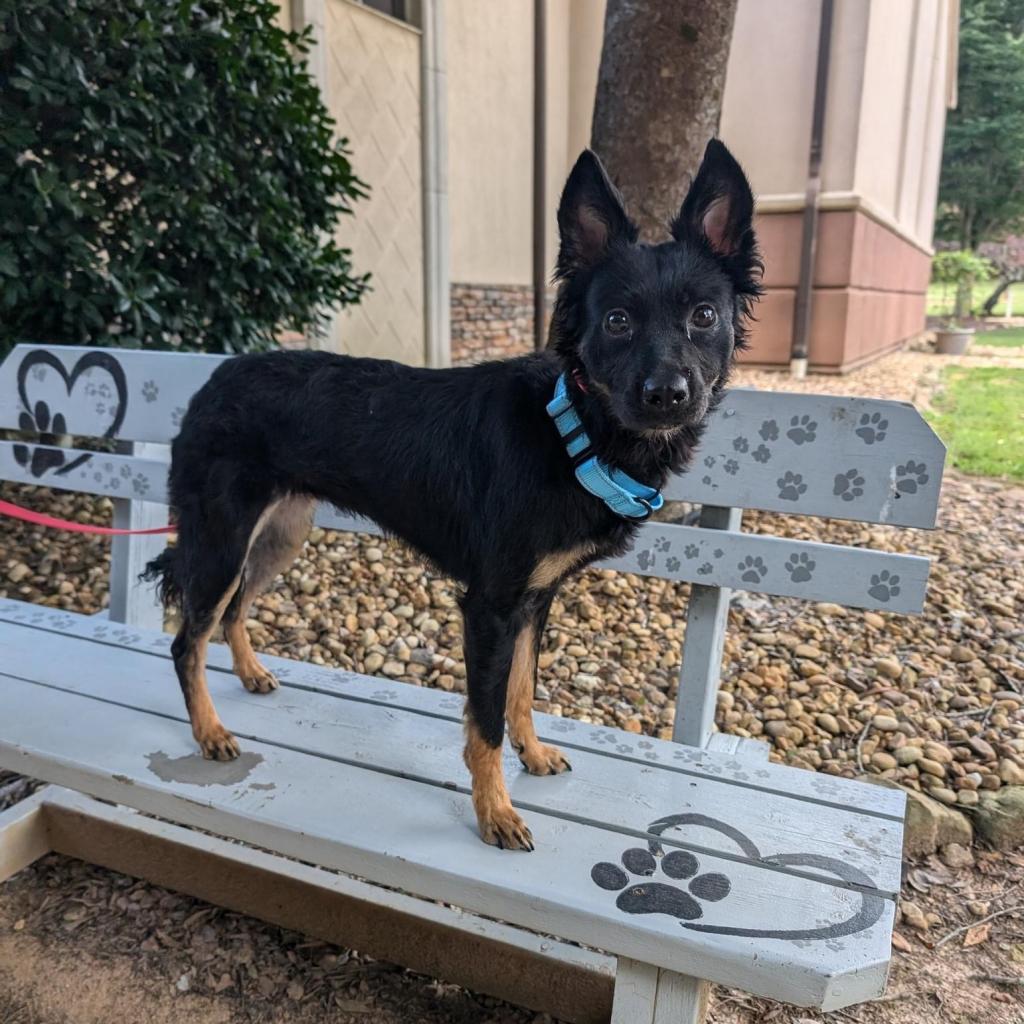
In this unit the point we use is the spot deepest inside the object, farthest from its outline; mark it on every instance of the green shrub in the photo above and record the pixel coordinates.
(168, 177)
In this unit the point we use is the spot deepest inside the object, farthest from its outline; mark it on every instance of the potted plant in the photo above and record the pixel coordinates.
(960, 268)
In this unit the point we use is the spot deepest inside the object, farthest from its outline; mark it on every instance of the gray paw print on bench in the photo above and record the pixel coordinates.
(800, 567)
(884, 586)
(740, 444)
(802, 430)
(791, 486)
(769, 431)
(848, 485)
(754, 570)
(762, 453)
(910, 477)
(872, 428)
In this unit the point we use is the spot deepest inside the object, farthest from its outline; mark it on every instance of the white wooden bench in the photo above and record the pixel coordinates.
(660, 866)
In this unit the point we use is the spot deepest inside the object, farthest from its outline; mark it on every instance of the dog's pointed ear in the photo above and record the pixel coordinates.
(591, 216)
(719, 206)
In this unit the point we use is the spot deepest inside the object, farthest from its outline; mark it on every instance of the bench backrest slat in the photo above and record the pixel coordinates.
(850, 458)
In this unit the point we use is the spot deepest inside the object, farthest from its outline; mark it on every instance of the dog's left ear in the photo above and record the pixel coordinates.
(719, 206)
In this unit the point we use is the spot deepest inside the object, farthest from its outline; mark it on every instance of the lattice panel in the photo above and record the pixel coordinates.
(373, 91)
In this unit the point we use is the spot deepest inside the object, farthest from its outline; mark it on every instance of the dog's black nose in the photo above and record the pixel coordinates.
(665, 394)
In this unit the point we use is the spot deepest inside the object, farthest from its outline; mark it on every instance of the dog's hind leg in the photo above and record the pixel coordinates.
(536, 757)
(490, 638)
(272, 550)
(212, 547)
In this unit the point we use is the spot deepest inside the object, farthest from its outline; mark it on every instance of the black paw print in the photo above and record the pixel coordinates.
(150, 391)
(872, 428)
(740, 444)
(884, 586)
(762, 453)
(910, 477)
(732, 467)
(706, 569)
(691, 551)
(754, 570)
(800, 567)
(645, 559)
(791, 486)
(657, 897)
(662, 544)
(848, 485)
(802, 430)
(769, 431)
(673, 564)
(39, 460)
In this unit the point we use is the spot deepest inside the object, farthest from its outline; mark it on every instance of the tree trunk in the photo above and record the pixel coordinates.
(992, 301)
(659, 96)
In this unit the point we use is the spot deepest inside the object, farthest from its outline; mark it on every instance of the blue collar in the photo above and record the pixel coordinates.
(625, 496)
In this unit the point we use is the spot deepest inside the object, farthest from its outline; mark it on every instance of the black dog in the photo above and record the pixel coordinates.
(467, 465)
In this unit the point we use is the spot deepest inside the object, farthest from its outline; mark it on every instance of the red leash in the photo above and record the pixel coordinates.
(17, 512)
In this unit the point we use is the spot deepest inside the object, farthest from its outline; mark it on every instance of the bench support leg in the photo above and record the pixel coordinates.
(131, 602)
(23, 836)
(649, 995)
(706, 619)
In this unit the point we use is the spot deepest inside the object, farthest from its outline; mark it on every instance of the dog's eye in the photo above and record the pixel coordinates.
(703, 316)
(616, 322)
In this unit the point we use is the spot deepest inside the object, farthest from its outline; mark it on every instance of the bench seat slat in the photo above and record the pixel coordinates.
(623, 796)
(849, 458)
(421, 839)
(743, 561)
(812, 787)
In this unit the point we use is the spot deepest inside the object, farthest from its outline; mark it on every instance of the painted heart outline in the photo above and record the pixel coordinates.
(871, 908)
(91, 360)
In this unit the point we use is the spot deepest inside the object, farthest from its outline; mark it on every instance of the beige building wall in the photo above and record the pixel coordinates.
(372, 66)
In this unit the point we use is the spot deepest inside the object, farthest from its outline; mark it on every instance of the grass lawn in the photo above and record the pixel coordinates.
(941, 296)
(1012, 337)
(979, 413)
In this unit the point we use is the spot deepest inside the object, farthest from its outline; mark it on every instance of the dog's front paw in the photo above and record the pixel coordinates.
(501, 826)
(217, 744)
(258, 680)
(540, 759)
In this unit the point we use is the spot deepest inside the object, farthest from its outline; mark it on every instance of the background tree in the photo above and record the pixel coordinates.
(659, 97)
(1007, 260)
(981, 191)
(168, 177)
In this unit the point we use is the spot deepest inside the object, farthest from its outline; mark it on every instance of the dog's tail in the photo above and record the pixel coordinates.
(164, 571)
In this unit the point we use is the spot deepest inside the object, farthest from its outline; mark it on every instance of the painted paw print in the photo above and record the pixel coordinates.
(673, 564)
(800, 567)
(177, 416)
(706, 480)
(802, 430)
(659, 897)
(709, 461)
(38, 460)
(706, 569)
(791, 486)
(732, 467)
(769, 431)
(140, 485)
(754, 570)
(910, 477)
(848, 485)
(762, 453)
(740, 444)
(872, 428)
(126, 471)
(884, 585)
(150, 391)
(645, 559)
(691, 551)
(662, 544)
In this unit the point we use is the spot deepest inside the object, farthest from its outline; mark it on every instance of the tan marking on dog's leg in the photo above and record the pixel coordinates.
(551, 568)
(500, 824)
(215, 741)
(275, 543)
(537, 758)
